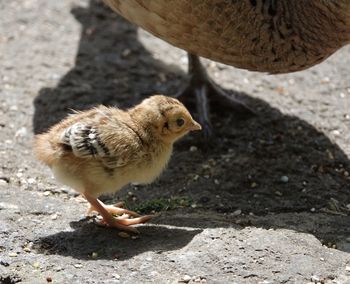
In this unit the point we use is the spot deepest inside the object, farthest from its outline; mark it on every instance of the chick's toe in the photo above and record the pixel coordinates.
(123, 222)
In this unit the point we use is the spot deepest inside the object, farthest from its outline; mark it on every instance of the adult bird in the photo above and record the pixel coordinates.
(274, 36)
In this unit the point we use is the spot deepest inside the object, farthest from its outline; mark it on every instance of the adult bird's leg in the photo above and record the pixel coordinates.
(203, 90)
(120, 223)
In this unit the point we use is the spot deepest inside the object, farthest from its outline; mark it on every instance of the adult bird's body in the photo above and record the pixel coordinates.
(274, 36)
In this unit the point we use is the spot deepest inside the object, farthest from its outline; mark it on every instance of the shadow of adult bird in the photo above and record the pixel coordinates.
(112, 67)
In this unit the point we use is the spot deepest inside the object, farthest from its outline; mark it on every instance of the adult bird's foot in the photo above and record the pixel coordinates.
(203, 92)
(122, 222)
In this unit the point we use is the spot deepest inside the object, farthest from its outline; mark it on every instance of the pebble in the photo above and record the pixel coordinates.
(347, 268)
(237, 212)
(216, 181)
(78, 265)
(124, 235)
(36, 265)
(186, 278)
(13, 254)
(27, 249)
(54, 216)
(193, 149)
(284, 179)
(126, 52)
(196, 177)
(116, 276)
(315, 278)
(94, 255)
(278, 193)
(312, 209)
(21, 132)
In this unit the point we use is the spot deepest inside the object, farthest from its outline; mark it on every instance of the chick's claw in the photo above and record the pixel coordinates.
(114, 210)
(123, 222)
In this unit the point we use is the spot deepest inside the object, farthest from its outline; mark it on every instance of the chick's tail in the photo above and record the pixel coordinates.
(44, 149)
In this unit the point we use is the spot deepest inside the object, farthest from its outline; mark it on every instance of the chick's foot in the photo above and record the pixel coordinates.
(122, 222)
(202, 92)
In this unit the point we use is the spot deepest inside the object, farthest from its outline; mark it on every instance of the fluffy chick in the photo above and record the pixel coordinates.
(103, 149)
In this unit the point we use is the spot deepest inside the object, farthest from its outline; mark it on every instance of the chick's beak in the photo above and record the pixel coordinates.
(195, 126)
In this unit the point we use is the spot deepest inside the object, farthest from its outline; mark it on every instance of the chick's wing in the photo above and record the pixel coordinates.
(114, 143)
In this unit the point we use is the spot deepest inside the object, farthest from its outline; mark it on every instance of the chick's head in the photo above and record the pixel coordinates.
(171, 119)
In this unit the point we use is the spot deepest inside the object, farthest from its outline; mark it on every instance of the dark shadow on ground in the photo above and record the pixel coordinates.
(87, 238)
(270, 164)
(111, 68)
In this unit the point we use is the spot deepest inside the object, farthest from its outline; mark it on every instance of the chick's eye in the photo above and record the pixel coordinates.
(180, 121)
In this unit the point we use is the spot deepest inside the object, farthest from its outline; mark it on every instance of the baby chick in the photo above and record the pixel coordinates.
(103, 149)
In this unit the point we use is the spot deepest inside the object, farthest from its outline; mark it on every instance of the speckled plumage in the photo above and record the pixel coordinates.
(274, 36)
(101, 150)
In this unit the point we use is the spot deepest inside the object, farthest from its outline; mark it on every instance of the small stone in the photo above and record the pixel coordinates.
(36, 265)
(13, 254)
(186, 278)
(216, 181)
(347, 268)
(237, 212)
(94, 255)
(31, 180)
(196, 177)
(49, 279)
(193, 149)
(135, 237)
(21, 132)
(284, 179)
(27, 249)
(124, 235)
(47, 193)
(162, 77)
(315, 278)
(78, 265)
(278, 193)
(126, 52)
(116, 276)
(54, 216)
(253, 185)
(312, 209)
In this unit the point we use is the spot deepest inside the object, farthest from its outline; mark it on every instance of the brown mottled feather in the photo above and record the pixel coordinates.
(274, 36)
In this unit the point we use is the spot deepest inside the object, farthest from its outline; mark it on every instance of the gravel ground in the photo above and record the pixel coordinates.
(266, 201)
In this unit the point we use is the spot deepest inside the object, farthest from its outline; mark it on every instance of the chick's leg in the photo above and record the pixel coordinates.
(120, 223)
(203, 92)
